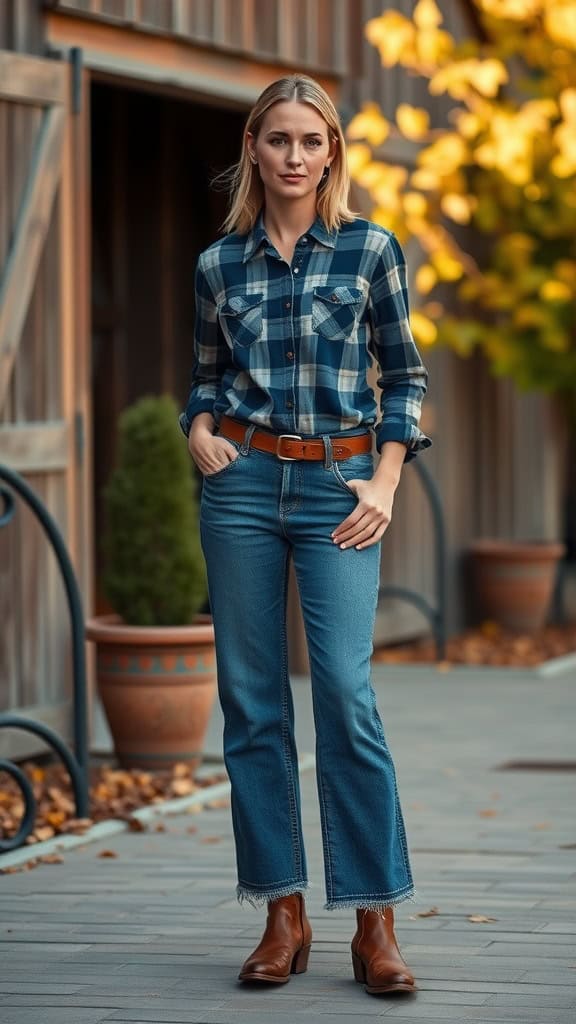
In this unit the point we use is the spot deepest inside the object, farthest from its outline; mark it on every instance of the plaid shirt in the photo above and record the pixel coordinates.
(288, 347)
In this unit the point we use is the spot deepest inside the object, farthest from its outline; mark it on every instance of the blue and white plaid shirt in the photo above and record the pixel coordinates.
(288, 347)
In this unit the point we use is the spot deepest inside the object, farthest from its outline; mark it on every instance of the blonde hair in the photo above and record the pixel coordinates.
(243, 179)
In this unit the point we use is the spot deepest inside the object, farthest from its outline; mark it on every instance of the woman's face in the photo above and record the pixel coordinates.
(292, 149)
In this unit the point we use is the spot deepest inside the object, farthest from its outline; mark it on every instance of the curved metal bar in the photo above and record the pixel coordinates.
(77, 765)
(27, 823)
(436, 615)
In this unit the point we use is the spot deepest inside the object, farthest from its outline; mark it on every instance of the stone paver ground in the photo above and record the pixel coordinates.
(155, 934)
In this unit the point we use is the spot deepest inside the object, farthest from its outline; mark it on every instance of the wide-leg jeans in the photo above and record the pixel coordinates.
(257, 513)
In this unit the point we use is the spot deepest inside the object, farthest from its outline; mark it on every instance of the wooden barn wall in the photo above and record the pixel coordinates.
(283, 31)
(21, 26)
(33, 650)
(38, 389)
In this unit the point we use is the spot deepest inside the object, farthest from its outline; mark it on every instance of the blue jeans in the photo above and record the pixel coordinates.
(256, 513)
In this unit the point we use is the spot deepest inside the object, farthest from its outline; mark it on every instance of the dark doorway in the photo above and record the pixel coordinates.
(153, 211)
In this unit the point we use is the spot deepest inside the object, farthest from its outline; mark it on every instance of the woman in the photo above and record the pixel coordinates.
(290, 306)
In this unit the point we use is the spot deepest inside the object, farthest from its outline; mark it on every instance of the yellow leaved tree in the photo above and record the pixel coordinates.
(505, 168)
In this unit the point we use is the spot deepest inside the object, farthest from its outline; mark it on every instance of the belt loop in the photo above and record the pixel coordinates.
(327, 451)
(245, 446)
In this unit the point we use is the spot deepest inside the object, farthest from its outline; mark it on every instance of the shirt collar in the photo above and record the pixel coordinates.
(257, 235)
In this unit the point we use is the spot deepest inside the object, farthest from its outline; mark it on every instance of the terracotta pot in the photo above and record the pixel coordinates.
(157, 686)
(514, 581)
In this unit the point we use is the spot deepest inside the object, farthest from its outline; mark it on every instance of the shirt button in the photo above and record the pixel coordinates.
(305, 239)
(290, 355)
(295, 270)
(335, 298)
(287, 305)
(289, 405)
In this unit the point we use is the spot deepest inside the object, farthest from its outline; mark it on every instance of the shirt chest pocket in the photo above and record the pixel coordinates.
(241, 319)
(335, 311)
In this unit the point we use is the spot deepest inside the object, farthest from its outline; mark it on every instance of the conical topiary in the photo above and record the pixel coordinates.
(155, 573)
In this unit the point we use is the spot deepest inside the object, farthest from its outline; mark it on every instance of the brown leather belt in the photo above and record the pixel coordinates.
(289, 447)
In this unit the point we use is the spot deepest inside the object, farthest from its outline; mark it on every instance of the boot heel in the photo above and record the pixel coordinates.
(300, 961)
(359, 969)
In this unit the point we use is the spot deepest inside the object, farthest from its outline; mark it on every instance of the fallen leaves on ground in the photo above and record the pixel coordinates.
(425, 913)
(473, 918)
(489, 644)
(114, 793)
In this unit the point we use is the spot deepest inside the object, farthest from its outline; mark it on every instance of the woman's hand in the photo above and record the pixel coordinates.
(209, 451)
(369, 520)
(367, 523)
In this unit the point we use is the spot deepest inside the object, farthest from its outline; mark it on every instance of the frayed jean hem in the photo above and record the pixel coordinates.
(366, 903)
(259, 899)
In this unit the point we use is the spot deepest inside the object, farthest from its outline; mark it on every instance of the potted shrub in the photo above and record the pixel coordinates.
(155, 655)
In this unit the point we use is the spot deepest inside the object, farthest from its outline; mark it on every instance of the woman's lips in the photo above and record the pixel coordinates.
(292, 177)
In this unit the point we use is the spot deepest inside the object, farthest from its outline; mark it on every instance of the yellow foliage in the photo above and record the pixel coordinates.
(424, 330)
(359, 155)
(560, 21)
(415, 204)
(369, 124)
(515, 10)
(461, 77)
(458, 208)
(555, 291)
(447, 267)
(425, 279)
(565, 270)
(413, 122)
(469, 124)
(425, 179)
(393, 35)
(445, 155)
(530, 314)
(433, 47)
(568, 104)
(427, 15)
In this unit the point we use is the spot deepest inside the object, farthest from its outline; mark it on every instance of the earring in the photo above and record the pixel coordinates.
(325, 175)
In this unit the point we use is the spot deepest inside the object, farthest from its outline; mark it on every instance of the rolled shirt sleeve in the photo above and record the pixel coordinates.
(403, 378)
(211, 354)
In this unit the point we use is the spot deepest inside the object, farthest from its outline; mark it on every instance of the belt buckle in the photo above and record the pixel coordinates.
(287, 458)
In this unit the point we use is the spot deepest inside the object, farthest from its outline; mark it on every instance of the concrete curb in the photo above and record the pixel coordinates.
(564, 665)
(111, 827)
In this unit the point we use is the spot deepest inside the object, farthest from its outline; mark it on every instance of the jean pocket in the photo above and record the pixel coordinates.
(357, 467)
(335, 312)
(229, 465)
(241, 319)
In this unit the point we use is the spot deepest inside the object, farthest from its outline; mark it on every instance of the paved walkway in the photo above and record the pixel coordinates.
(155, 934)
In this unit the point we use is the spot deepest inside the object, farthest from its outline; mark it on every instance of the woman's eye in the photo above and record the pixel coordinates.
(276, 142)
(314, 143)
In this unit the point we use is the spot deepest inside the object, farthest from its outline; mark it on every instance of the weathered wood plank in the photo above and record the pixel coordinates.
(17, 282)
(35, 447)
(31, 79)
(263, 30)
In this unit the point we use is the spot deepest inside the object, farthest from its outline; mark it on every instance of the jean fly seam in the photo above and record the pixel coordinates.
(294, 504)
(286, 732)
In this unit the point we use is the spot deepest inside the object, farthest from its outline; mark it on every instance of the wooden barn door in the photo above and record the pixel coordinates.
(43, 377)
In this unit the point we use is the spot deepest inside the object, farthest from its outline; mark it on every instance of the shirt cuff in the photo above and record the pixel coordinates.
(411, 436)
(194, 407)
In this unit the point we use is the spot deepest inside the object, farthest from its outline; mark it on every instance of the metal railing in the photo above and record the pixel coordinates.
(76, 763)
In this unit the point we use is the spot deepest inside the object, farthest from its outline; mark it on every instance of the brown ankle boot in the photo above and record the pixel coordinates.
(285, 945)
(376, 958)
